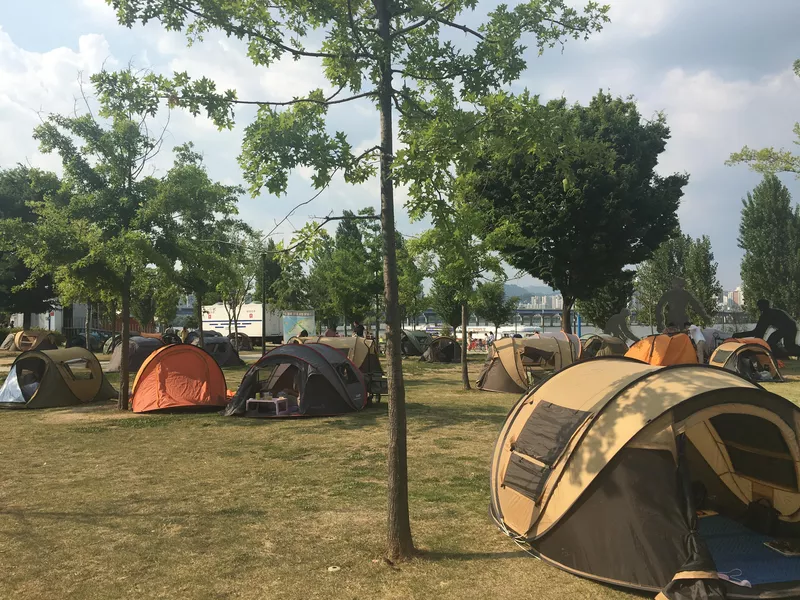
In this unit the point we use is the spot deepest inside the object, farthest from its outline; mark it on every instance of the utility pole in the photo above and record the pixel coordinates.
(263, 303)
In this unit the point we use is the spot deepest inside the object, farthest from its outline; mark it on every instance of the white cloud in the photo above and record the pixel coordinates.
(41, 82)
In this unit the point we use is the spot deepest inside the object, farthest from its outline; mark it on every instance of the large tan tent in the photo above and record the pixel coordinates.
(50, 378)
(570, 338)
(442, 349)
(178, 376)
(513, 364)
(752, 361)
(139, 348)
(363, 353)
(602, 344)
(654, 478)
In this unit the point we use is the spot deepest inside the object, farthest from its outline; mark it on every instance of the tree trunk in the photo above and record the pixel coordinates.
(88, 326)
(399, 541)
(126, 334)
(464, 366)
(566, 315)
(27, 319)
(198, 311)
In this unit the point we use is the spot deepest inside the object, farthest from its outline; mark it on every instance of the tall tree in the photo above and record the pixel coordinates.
(410, 277)
(197, 218)
(460, 259)
(20, 188)
(443, 299)
(769, 234)
(365, 43)
(771, 160)
(491, 303)
(608, 300)
(578, 217)
(268, 271)
(154, 296)
(104, 231)
(238, 283)
(680, 256)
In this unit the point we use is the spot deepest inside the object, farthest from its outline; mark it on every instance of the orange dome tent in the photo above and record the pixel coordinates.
(664, 349)
(178, 376)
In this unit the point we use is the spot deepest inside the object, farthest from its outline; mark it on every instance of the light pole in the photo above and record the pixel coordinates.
(263, 303)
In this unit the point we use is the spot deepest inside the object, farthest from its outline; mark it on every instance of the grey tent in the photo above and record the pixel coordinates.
(221, 349)
(244, 341)
(442, 349)
(414, 343)
(315, 379)
(195, 335)
(602, 344)
(139, 348)
(8, 343)
(51, 378)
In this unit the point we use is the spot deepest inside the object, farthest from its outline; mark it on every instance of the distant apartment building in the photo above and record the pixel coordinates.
(732, 300)
(544, 302)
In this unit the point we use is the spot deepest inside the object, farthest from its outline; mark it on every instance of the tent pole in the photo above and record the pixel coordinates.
(263, 303)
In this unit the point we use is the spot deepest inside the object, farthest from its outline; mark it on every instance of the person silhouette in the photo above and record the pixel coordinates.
(785, 330)
(617, 326)
(677, 301)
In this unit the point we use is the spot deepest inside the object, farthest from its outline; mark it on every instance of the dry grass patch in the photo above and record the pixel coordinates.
(95, 504)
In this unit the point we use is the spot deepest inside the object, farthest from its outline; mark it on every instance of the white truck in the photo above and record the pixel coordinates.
(216, 318)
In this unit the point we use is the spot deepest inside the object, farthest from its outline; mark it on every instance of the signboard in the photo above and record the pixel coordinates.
(295, 321)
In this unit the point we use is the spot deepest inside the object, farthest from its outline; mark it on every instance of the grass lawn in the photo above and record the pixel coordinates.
(95, 504)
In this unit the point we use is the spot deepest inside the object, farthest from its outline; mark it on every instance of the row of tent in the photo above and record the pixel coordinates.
(514, 365)
(315, 376)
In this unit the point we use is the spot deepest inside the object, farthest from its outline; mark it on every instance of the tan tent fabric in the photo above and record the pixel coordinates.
(602, 345)
(34, 340)
(729, 355)
(50, 378)
(523, 360)
(8, 343)
(571, 339)
(563, 440)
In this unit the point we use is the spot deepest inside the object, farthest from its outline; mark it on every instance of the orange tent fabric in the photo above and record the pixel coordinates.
(176, 376)
(664, 350)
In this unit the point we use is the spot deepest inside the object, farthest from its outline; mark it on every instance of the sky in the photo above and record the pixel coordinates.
(720, 70)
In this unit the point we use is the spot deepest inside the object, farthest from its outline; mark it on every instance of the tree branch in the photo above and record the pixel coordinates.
(325, 102)
(242, 31)
(463, 28)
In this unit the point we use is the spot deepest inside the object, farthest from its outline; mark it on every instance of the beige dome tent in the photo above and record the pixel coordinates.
(602, 344)
(442, 349)
(34, 340)
(571, 339)
(8, 343)
(514, 363)
(50, 378)
(363, 353)
(752, 361)
(606, 468)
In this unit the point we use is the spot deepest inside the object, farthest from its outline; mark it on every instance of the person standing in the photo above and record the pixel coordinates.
(184, 334)
(358, 329)
(489, 339)
(699, 342)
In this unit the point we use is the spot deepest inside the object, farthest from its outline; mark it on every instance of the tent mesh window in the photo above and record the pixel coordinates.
(544, 438)
(757, 449)
(78, 369)
(721, 356)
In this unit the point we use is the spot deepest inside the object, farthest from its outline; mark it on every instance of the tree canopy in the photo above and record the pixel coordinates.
(608, 300)
(491, 303)
(575, 220)
(769, 234)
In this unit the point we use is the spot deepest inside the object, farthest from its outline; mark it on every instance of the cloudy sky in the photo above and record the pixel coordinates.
(719, 69)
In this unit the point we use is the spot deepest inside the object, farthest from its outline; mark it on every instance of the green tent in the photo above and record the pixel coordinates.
(414, 343)
(50, 378)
